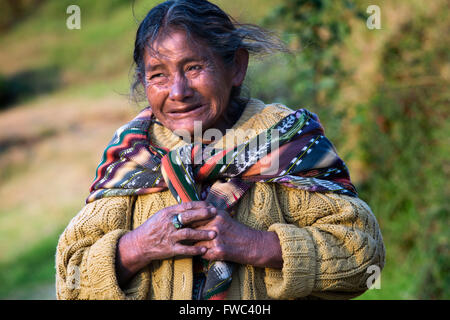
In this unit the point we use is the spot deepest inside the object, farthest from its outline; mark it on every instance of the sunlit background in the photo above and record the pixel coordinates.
(382, 95)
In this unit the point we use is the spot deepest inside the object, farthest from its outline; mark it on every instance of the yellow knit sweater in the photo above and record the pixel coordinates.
(328, 241)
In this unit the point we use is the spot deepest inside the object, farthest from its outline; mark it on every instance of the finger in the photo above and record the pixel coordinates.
(199, 224)
(209, 255)
(191, 205)
(194, 215)
(191, 234)
(216, 223)
(181, 250)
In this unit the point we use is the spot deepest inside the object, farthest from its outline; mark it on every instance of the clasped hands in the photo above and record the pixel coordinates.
(209, 232)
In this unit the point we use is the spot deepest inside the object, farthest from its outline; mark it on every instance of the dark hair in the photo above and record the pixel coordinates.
(206, 22)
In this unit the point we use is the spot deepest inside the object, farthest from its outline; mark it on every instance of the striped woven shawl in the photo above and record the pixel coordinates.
(304, 158)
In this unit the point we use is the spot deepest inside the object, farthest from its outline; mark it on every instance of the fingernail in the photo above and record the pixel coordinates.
(203, 250)
(211, 234)
(213, 210)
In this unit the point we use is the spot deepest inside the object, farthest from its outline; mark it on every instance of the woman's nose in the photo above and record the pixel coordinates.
(180, 89)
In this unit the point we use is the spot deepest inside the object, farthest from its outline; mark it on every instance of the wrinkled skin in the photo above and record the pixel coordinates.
(186, 82)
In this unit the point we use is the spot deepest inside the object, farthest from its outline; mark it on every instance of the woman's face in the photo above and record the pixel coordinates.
(185, 82)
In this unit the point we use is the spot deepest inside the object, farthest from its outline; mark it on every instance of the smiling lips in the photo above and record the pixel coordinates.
(185, 111)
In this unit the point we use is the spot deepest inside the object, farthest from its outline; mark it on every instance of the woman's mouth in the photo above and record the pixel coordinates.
(187, 111)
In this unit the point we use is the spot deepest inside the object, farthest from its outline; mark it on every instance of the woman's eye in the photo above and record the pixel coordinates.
(157, 75)
(195, 68)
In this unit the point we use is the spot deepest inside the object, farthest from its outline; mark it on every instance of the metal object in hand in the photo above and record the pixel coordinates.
(177, 221)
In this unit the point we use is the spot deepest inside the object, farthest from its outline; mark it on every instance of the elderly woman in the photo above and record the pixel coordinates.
(203, 217)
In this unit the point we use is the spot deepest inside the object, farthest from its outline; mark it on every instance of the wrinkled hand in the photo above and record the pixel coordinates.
(158, 239)
(238, 243)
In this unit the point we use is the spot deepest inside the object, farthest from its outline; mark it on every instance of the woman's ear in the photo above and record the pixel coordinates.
(240, 67)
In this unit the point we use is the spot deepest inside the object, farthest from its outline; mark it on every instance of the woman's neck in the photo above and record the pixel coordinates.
(230, 116)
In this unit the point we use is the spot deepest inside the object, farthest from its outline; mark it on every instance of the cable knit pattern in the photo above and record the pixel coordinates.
(85, 267)
(328, 241)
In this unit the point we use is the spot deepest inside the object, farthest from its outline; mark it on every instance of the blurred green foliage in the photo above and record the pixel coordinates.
(27, 84)
(404, 136)
(315, 30)
(36, 266)
(12, 11)
(403, 127)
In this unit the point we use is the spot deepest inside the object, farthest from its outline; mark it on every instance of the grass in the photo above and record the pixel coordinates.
(31, 268)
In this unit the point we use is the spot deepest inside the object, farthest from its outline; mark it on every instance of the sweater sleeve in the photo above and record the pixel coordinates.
(86, 251)
(328, 242)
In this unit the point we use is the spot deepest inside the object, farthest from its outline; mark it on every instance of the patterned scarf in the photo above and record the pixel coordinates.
(304, 158)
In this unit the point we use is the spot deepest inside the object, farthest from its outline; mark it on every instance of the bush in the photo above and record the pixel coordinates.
(403, 134)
